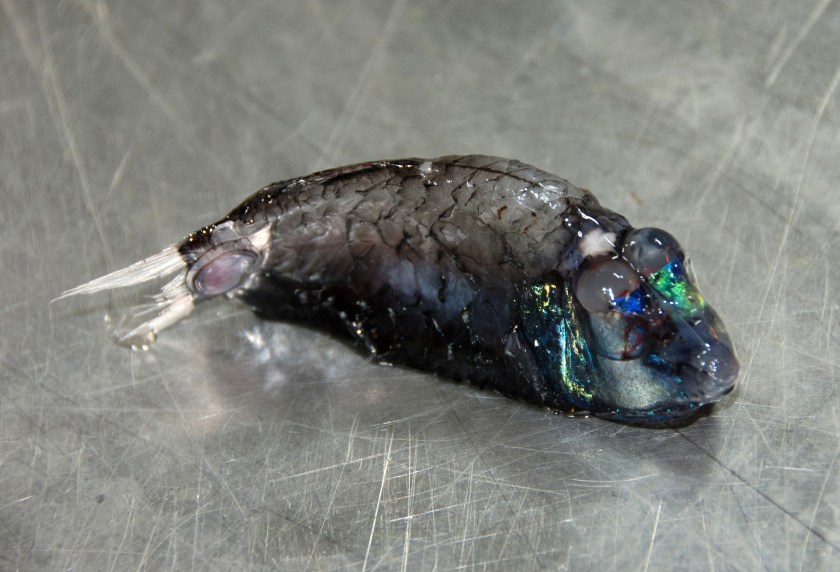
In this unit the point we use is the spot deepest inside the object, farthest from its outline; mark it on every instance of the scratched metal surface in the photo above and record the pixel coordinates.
(235, 444)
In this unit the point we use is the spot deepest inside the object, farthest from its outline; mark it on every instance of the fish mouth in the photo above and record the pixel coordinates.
(659, 393)
(703, 358)
(698, 391)
(696, 368)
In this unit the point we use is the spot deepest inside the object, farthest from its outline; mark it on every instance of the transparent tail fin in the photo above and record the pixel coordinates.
(139, 326)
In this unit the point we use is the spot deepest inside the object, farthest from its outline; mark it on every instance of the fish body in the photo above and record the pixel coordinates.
(477, 268)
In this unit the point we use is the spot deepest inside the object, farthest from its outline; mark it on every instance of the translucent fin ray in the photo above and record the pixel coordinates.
(156, 266)
(139, 325)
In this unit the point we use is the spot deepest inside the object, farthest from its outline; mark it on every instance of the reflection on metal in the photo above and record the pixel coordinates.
(187, 458)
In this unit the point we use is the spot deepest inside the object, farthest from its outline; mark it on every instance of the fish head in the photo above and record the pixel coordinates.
(625, 333)
(660, 350)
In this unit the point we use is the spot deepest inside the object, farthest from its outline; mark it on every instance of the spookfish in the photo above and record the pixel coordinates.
(478, 268)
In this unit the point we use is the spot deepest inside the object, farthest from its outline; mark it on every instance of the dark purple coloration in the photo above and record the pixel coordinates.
(478, 268)
(420, 262)
(438, 264)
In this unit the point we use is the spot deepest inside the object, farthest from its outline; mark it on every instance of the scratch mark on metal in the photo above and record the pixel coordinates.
(322, 469)
(829, 93)
(100, 17)
(143, 564)
(817, 507)
(128, 526)
(14, 502)
(345, 119)
(385, 466)
(225, 485)
(43, 65)
(653, 536)
(119, 173)
(724, 161)
(328, 512)
(630, 480)
(806, 28)
(706, 539)
(410, 496)
(761, 493)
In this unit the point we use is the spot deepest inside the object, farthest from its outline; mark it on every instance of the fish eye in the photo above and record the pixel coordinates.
(223, 273)
(648, 250)
(603, 281)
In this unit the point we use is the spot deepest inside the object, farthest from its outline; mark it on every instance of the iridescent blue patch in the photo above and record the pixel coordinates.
(632, 303)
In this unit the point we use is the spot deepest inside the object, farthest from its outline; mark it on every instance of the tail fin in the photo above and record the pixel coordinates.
(140, 325)
(158, 265)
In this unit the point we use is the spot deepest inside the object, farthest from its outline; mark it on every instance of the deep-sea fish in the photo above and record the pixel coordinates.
(480, 269)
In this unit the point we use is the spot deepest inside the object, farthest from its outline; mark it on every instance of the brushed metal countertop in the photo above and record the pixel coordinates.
(235, 444)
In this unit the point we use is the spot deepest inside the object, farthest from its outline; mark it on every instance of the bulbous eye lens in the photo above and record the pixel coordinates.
(603, 281)
(224, 273)
(649, 250)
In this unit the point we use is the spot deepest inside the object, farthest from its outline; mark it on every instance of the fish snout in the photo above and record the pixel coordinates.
(705, 357)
